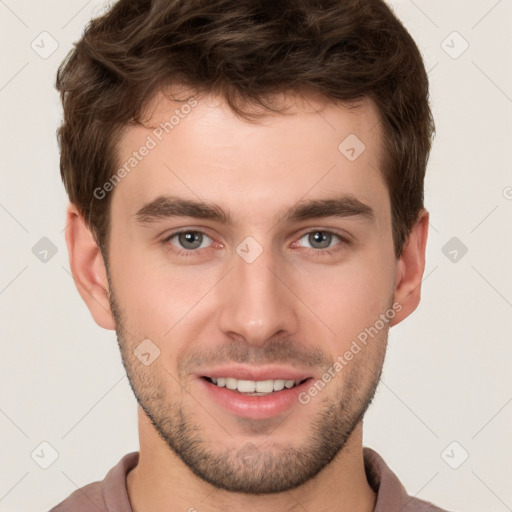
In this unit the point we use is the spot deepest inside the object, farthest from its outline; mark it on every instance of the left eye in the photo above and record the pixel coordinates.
(321, 239)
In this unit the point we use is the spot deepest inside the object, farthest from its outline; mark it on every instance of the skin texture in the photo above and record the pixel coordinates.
(293, 305)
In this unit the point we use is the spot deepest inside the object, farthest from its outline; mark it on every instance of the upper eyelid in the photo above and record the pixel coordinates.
(324, 230)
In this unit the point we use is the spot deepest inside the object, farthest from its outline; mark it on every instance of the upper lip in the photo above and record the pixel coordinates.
(267, 372)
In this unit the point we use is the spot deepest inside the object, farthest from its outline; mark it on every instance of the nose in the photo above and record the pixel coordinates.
(257, 301)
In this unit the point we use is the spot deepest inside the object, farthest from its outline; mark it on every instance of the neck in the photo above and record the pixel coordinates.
(162, 482)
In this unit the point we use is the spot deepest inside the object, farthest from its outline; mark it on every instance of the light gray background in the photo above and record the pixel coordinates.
(447, 373)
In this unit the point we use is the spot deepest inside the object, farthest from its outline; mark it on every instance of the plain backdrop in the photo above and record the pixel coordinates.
(442, 415)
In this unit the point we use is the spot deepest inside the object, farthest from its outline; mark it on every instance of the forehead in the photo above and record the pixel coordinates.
(198, 148)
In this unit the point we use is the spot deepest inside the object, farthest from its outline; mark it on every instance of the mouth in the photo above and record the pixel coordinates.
(255, 387)
(256, 393)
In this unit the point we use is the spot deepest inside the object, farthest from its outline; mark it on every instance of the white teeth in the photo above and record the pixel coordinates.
(260, 387)
(246, 386)
(264, 386)
(278, 385)
(231, 383)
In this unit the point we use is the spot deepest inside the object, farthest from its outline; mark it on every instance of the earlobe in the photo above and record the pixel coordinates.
(410, 268)
(88, 268)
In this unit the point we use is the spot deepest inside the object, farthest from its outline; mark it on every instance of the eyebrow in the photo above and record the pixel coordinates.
(166, 206)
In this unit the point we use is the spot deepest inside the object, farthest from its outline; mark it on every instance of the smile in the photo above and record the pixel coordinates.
(254, 387)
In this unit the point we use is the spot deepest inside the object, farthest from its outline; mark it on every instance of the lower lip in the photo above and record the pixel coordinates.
(254, 407)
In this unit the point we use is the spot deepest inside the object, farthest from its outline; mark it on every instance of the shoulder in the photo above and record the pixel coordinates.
(417, 505)
(109, 494)
(391, 495)
(89, 497)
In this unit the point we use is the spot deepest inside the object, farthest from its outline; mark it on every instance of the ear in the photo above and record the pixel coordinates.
(410, 268)
(88, 268)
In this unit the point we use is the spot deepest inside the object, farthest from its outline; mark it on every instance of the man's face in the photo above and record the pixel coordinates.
(259, 298)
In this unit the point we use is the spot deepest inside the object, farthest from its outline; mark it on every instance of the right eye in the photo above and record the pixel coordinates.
(188, 241)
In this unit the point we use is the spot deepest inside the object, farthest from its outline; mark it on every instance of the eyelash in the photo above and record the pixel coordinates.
(315, 252)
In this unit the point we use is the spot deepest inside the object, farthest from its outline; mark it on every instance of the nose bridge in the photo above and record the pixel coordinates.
(256, 304)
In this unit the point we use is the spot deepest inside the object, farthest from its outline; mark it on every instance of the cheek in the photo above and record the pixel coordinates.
(156, 296)
(351, 298)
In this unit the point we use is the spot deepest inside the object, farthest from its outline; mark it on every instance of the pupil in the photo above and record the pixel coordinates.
(323, 237)
(190, 237)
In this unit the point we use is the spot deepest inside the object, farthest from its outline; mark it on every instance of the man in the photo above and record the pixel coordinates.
(246, 211)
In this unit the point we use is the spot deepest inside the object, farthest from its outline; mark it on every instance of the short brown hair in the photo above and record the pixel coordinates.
(245, 51)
